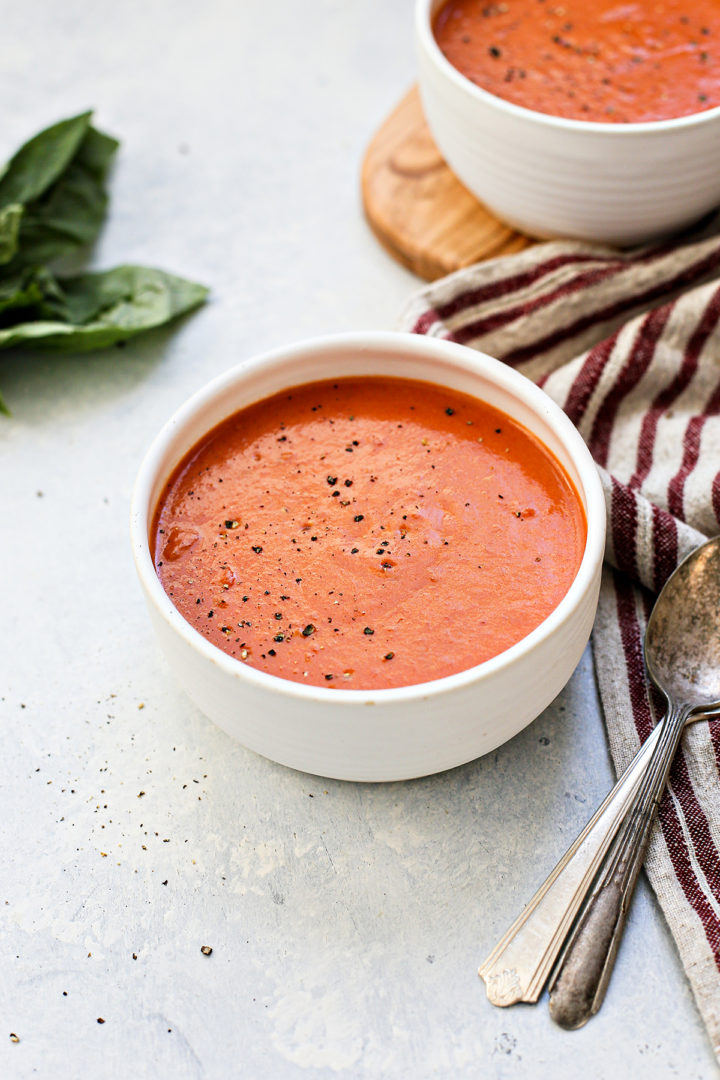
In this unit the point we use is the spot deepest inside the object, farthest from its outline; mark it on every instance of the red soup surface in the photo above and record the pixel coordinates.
(595, 60)
(367, 532)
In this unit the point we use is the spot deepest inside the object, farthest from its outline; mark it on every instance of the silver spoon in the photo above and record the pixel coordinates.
(682, 653)
(682, 656)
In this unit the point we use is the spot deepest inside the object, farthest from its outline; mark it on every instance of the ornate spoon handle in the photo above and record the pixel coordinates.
(519, 965)
(579, 983)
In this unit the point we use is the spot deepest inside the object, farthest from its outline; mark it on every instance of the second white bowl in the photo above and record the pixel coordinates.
(553, 177)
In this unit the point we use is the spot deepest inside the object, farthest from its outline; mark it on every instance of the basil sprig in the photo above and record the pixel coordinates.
(53, 201)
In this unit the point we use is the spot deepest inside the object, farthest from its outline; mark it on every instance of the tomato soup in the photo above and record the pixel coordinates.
(367, 532)
(599, 60)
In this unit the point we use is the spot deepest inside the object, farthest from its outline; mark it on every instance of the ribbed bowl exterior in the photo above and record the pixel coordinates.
(613, 183)
(382, 737)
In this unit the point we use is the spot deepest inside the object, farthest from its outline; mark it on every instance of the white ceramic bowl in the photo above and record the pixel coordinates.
(549, 176)
(389, 734)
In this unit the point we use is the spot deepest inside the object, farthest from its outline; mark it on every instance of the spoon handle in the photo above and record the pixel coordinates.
(519, 965)
(578, 985)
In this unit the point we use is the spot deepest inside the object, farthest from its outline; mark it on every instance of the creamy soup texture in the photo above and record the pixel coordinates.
(367, 533)
(596, 60)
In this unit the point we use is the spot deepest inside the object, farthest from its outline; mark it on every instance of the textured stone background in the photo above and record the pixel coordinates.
(346, 921)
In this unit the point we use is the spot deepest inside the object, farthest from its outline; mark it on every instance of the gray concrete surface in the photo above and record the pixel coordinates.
(346, 921)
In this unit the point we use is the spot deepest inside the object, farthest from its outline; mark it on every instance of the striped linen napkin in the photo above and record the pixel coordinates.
(628, 344)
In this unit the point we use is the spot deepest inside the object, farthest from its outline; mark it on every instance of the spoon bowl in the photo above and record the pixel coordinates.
(682, 640)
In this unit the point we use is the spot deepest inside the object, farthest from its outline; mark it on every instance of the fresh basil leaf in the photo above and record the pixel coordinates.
(10, 218)
(19, 291)
(30, 293)
(87, 296)
(70, 213)
(108, 307)
(42, 160)
(53, 304)
(52, 201)
(96, 153)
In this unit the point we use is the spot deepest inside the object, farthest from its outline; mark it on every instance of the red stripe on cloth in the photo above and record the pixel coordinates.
(691, 453)
(648, 703)
(638, 360)
(697, 825)
(623, 527)
(562, 334)
(631, 637)
(587, 379)
(655, 696)
(715, 496)
(670, 393)
(425, 321)
(490, 323)
(494, 290)
(665, 546)
(632, 645)
(693, 891)
(604, 265)
(714, 729)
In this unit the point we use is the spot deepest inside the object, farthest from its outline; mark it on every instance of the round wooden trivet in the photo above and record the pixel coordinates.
(417, 208)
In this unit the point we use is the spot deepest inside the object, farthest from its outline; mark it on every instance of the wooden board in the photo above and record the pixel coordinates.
(417, 208)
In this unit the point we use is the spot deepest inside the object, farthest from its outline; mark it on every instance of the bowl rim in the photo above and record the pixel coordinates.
(389, 342)
(426, 39)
